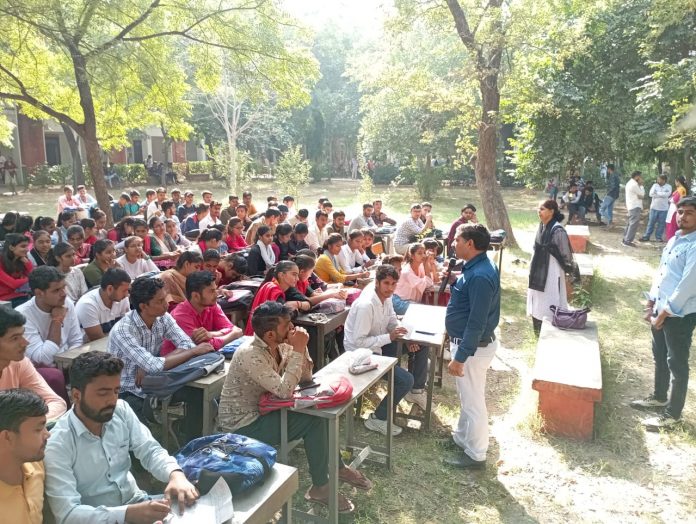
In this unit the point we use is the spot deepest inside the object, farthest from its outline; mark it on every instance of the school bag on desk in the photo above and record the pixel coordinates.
(241, 461)
(168, 382)
(330, 392)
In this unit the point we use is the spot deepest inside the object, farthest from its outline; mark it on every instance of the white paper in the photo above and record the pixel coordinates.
(214, 507)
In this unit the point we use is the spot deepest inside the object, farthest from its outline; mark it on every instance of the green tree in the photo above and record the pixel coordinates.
(104, 68)
(292, 172)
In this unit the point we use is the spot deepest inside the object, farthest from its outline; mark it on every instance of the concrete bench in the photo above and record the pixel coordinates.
(586, 266)
(579, 236)
(568, 376)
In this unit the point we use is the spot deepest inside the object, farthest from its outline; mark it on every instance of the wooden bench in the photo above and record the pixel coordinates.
(568, 376)
(198, 177)
(579, 236)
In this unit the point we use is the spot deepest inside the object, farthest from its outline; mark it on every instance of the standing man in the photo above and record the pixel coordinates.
(634, 205)
(472, 316)
(607, 209)
(660, 193)
(671, 310)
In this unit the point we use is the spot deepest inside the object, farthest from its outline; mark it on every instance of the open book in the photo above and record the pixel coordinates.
(215, 507)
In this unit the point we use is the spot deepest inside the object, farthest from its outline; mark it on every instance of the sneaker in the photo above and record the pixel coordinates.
(418, 397)
(664, 422)
(629, 244)
(380, 426)
(644, 239)
(648, 403)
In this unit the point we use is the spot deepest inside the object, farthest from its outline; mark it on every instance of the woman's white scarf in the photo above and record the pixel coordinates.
(267, 253)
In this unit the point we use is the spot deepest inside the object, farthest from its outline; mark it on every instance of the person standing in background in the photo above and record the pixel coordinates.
(613, 185)
(634, 205)
(660, 193)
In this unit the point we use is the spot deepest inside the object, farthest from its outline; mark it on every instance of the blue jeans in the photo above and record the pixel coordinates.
(607, 208)
(656, 221)
(403, 382)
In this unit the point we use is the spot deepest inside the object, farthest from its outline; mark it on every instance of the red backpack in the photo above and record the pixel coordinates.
(330, 392)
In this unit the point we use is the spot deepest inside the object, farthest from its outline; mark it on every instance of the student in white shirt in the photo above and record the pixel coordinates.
(350, 259)
(134, 260)
(154, 208)
(318, 232)
(634, 205)
(101, 308)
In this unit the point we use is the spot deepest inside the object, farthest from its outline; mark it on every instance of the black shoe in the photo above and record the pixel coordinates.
(644, 239)
(463, 461)
(628, 244)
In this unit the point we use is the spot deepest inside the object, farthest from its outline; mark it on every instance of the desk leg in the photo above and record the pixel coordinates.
(350, 414)
(207, 426)
(431, 384)
(165, 422)
(333, 469)
(390, 414)
(283, 436)
(321, 350)
(287, 512)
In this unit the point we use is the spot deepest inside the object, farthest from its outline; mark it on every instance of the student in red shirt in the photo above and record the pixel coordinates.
(235, 235)
(200, 316)
(15, 267)
(90, 228)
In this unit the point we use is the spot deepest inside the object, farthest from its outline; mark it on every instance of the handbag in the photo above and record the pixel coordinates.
(569, 319)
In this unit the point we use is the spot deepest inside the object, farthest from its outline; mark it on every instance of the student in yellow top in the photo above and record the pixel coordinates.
(23, 437)
(328, 267)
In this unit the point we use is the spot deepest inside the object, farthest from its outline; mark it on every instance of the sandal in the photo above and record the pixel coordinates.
(354, 478)
(345, 505)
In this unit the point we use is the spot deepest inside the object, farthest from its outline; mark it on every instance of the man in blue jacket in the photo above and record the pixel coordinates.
(472, 316)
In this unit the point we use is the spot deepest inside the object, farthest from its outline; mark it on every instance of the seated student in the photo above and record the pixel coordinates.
(248, 204)
(46, 224)
(419, 273)
(269, 218)
(468, 214)
(207, 196)
(9, 222)
(194, 219)
(134, 260)
(301, 217)
(349, 258)
(66, 219)
(208, 239)
(175, 278)
(15, 268)
(99, 218)
(52, 326)
(16, 370)
(138, 337)
(119, 208)
(235, 235)
(163, 250)
(200, 316)
(172, 229)
(366, 249)
(573, 198)
(89, 225)
(101, 308)
(279, 280)
(277, 361)
(243, 215)
(328, 268)
(211, 261)
(297, 239)
(62, 257)
(122, 230)
(303, 290)
(187, 208)
(232, 268)
(364, 221)
(69, 201)
(104, 258)
(169, 212)
(261, 256)
(154, 208)
(281, 242)
(88, 478)
(379, 217)
(372, 323)
(133, 206)
(39, 254)
(231, 210)
(23, 436)
(76, 238)
(400, 306)
(315, 282)
(213, 218)
(318, 232)
(338, 225)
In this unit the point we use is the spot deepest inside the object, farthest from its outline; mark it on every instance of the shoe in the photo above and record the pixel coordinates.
(648, 403)
(418, 397)
(380, 426)
(664, 422)
(602, 223)
(463, 461)
(629, 244)
(644, 239)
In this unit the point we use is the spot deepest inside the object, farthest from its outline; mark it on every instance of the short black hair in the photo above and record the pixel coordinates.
(65, 215)
(101, 245)
(10, 318)
(238, 263)
(476, 232)
(167, 204)
(303, 213)
(17, 405)
(636, 174)
(188, 256)
(338, 213)
(469, 206)
(143, 289)
(43, 276)
(321, 213)
(283, 229)
(272, 212)
(232, 197)
(128, 241)
(356, 233)
(308, 252)
(288, 198)
(139, 222)
(201, 208)
(197, 281)
(386, 271)
(301, 227)
(75, 229)
(687, 201)
(211, 254)
(261, 231)
(367, 205)
(91, 365)
(114, 277)
(246, 194)
(210, 234)
(267, 316)
(304, 262)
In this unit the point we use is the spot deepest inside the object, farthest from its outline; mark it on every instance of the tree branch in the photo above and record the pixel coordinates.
(61, 117)
(462, 24)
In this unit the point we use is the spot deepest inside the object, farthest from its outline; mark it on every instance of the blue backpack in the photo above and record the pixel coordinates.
(242, 461)
(168, 382)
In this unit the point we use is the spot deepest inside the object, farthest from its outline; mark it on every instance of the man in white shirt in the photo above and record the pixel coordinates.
(634, 204)
(364, 221)
(88, 478)
(318, 232)
(372, 324)
(101, 308)
(213, 218)
(154, 208)
(660, 193)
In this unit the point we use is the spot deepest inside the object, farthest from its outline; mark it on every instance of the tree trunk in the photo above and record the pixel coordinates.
(688, 163)
(74, 145)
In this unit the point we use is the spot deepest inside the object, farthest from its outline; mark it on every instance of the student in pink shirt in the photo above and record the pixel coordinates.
(200, 316)
(418, 273)
(68, 201)
(16, 370)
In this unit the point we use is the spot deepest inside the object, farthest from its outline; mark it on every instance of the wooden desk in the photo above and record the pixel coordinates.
(431, 321)
(317, 343)
(361, 383)
(260, 504)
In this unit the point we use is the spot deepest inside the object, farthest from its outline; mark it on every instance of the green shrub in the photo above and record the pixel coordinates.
(45, 175)
(319, 171)
(200, 167)
(181, 169)
(385, 174)
(137, 174)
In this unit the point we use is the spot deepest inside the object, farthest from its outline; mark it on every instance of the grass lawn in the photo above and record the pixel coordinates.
(624, 475)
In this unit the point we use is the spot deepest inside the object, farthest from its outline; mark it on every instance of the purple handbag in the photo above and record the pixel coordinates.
(569, 319)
